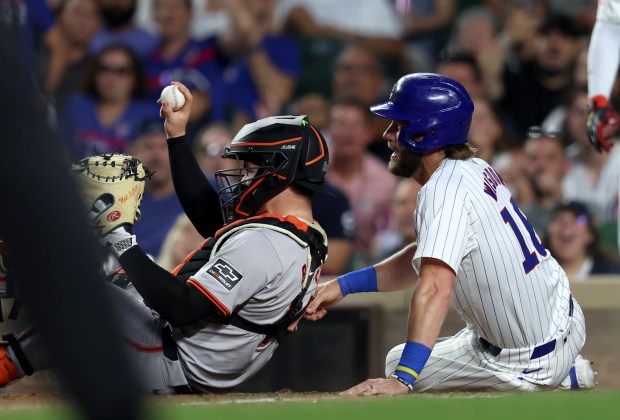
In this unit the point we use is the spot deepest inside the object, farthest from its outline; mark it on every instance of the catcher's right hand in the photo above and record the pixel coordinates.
(602, 123)
(175, 123)
(112, 186)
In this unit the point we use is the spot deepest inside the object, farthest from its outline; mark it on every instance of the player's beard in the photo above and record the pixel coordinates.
(405, 163)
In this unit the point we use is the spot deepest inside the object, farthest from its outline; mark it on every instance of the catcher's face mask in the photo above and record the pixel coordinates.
(271, 154)
(242, 190)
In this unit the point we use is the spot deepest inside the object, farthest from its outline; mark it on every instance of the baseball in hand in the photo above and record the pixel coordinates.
(173, 96)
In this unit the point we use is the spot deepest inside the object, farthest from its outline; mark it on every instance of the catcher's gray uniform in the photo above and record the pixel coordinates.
(257, 273)
(524, 329)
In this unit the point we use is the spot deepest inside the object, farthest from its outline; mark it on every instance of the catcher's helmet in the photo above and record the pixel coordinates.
(285, 149)
(437, 108)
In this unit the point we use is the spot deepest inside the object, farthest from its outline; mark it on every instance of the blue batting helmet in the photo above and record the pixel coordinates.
(438, 111)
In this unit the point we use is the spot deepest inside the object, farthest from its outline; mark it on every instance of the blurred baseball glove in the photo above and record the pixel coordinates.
(602, 123)
(112, 186)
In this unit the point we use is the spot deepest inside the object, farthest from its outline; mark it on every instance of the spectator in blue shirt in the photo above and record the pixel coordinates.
(119, 28)
(265, 64)
(196, 63)
(112, 106)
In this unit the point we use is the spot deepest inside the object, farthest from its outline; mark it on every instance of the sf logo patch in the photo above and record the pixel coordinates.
(225, 273)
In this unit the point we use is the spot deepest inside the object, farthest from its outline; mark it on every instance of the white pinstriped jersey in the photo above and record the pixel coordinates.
(508, 288)
(608, 11)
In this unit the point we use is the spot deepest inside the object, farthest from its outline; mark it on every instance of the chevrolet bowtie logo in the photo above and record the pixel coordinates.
(226, 272)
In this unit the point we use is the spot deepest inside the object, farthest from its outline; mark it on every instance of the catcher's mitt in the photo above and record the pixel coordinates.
(112, 186)
(602, 123)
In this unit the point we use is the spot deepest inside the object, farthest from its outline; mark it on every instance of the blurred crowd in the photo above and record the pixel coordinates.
(100, 65)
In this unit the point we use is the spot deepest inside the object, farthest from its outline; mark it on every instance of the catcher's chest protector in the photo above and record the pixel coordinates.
(307, 236)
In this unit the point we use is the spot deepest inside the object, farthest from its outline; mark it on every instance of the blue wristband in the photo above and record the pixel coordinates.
(364, 280)
(412, 361)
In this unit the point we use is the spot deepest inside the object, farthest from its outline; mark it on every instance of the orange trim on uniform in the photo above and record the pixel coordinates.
(236, 222)
(190, 255)
(202, 289)
(246, 192)
(249, 190)
(299, 224)
(267, 144)
(144, 349)
(322, 149)
(175, 271)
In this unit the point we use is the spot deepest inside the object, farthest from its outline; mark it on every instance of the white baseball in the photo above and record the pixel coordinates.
(173, 96)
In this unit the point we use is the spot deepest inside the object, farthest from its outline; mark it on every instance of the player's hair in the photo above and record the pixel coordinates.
(140, 86)
(459, 151)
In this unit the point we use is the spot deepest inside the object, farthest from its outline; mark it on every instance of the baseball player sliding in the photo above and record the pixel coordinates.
(475, 248)
(217, 318)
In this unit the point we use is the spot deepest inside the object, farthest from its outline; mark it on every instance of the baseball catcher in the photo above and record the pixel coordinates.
(217, 319)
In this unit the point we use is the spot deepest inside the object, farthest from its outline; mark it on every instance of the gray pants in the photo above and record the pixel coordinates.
(141, 330)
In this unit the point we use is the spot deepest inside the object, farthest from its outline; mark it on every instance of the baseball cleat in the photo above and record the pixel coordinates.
(581, 375)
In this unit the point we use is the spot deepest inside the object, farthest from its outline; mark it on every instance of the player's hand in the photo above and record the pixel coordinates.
(602, 123)
(328, 294)
(376, 387)
(176, 121)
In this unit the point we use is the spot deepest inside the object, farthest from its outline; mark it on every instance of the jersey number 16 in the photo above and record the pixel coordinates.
(531, 259)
